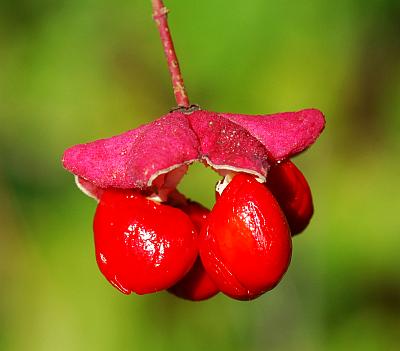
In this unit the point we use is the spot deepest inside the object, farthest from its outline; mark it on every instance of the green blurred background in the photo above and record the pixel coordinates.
(74, 71)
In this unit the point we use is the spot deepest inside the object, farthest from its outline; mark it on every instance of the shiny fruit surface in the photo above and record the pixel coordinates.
(196, 285)
(142, 246)
(291, 190)
(245, 245)
(197, 213)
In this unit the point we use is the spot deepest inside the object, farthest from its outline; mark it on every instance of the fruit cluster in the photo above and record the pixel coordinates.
(149, 237)
(242, 247)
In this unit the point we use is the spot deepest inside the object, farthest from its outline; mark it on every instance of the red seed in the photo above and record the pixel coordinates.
(142, 246)
(246, 245)
(291, 190)
(196, 285)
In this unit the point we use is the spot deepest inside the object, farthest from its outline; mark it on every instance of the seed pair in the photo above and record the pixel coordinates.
(242, 247)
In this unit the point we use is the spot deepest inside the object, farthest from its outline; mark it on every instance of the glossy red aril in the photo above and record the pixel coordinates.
(197, 213)
(142, 246)
(291, 190)
(245, 245)
(196, 285)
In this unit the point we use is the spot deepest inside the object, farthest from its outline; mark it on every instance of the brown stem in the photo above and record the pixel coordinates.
(160, 13)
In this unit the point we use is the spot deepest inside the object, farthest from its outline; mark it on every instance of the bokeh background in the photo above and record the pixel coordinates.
(74, 71)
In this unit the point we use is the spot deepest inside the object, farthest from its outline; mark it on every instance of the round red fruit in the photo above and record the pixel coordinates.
(291, 190)
(245, 245)
(142, 246)
(196, 285)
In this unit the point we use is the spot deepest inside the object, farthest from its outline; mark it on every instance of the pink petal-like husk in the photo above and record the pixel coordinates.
(89, 188)
(248, 143)
(131, 159)
(226, 145)
(283, 134)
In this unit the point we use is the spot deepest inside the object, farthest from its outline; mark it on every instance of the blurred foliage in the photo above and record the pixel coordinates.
(74, 71)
